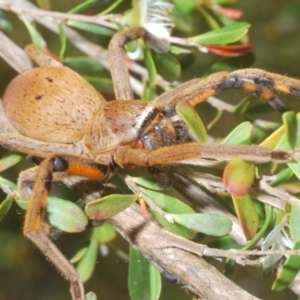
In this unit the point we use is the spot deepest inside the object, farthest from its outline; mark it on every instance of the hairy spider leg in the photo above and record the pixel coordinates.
(256, 81)
(125, 156)
(33, 225)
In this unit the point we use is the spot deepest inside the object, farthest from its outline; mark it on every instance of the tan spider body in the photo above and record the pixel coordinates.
(70, 125)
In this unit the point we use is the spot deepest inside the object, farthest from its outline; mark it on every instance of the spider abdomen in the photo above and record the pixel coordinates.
(51, 104)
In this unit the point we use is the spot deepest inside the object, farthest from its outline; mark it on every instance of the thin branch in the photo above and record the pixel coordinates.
(57, 16)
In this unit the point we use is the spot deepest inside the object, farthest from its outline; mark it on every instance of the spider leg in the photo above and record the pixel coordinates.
(36, 148)
(40, 58)
(34, 227)
(124, 156)
(256, 81)
(118, 68)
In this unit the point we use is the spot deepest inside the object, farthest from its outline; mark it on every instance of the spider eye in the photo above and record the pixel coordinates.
(157, 128)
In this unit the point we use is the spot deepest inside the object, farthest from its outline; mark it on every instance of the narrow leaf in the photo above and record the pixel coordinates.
(290, 127)
(231, 51)
(94, 28)
(211, 224)
(186, 6)
(63, 41)
(175, 227)
(192, 119)
(295, 222)
(288, 271)
(168, 203)
(229, 12)
(86, 265)
(9, 159)
(167, 66)
(79, 255)
(150, 65)
(229, 34)
(83, 63)
(34, 34)
(278, 139)
(295, 167)
(247, 215)
(239, 135)
(144, 281)
(5, 206)
(106, 207)
(148, 183)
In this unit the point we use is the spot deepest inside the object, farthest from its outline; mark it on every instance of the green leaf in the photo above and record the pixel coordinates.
(290, 127)
(65, 215)
(211, 224)
(192, 119)
(148, 183)
(288, 271)
(104, 85)
(94, 28)
(233, 63)
(186, 6)
(35, 36)
(79, 255)
(9, 159)
(168, 203)
(86, 265)
(239, 135)
(83, 6)
(279, 140)
(229, 34)
(283, 176)
(171, 205)
(176, 228)
(167, 66)
(295, 222)
(144, 281)
(106, 207)
(238, 177)
(225, 243)
(63, 41)
(247, 215)
(183, 22)
(104, 233)
(150, 65)
(295, 167)
(149, 93)
(90, 296)
(83, 63)
(5, 206)
(12, 186)
(5, 25)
